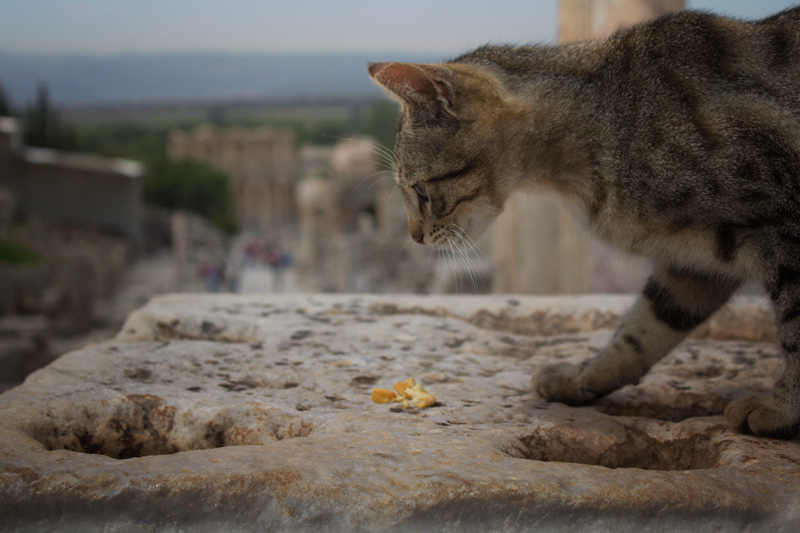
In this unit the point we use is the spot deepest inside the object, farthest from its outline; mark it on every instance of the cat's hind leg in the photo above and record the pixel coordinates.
(777, 415)
(674, 301)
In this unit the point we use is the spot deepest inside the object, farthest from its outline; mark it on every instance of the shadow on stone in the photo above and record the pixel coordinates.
(681, 407)
(139, 425)
(626, 446)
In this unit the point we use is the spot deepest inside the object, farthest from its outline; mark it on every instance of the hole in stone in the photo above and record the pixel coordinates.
(632, 449)
(138, 425)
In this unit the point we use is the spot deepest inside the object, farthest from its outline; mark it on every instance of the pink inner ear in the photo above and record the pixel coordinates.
(406, 80)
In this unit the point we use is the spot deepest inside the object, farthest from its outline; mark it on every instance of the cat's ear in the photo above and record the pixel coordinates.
(413, 83)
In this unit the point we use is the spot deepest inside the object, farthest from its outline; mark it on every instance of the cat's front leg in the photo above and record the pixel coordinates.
(673, 302)
(777, 415)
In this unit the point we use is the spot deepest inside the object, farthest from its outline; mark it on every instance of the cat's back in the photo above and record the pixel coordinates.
(701, 57)
(702, 130)
(780, 35)
(719, 54)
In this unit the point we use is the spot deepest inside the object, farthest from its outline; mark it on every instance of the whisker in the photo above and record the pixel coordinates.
(360, 183)
(402, 249)
(383, 150)
(392, 193)
(380, 161)
(443, 259)
(384, 159)
(389, 202)
(388, 177)
(469, 245)
(465, 236)
(379, 148)
(387, 157)
(460, 255)
(453, 264)
(467, 264)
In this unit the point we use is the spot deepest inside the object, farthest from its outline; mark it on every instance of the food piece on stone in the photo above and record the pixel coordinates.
(403, 392)
(383, 395)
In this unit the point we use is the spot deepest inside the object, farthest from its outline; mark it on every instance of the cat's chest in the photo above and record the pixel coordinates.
(692, 246)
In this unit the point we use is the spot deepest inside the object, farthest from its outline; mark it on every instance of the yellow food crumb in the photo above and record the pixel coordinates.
(403, 391)
(383, 395)
(399, 388)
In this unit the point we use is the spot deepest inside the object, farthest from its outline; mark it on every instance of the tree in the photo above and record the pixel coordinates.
(43, 124)
(125, 139)
(191, 186)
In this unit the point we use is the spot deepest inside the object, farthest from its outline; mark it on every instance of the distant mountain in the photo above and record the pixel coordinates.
(190, 76)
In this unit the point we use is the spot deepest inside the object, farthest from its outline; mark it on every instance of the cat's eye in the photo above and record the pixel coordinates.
(420, 193)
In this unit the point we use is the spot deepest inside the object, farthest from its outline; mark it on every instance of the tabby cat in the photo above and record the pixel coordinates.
(677, 139)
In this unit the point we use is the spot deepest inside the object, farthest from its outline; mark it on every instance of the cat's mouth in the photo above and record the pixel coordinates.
(452, 235)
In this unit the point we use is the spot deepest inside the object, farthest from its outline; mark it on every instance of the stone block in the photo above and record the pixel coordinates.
(239, 413)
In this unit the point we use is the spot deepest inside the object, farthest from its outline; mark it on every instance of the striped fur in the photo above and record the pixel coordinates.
(678, 140)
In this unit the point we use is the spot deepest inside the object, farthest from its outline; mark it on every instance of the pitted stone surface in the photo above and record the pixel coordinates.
(254, 413)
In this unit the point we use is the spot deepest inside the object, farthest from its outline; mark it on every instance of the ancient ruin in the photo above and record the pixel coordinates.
(353, 235)
(260, 163)
(79, 218)
(69, 187)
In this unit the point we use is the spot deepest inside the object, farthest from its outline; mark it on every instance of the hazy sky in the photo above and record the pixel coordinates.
(136, 26)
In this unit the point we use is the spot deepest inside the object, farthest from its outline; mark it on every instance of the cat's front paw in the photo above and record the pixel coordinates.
(763, 417)
(564, 383)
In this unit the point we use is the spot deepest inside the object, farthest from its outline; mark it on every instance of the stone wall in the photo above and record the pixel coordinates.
(81, 215)
(79, 269)
(72, 188)
(59, 299)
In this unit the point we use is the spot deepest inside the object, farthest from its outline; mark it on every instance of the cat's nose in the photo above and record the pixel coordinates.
(418, 237)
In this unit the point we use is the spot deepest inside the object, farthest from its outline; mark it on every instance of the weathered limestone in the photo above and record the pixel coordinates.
(218, 413)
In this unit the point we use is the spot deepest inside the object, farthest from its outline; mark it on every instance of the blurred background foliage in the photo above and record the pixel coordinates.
(193, 186)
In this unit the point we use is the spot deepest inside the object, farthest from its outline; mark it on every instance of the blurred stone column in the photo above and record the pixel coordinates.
(579, 20)
(180, 247)
(537, 246)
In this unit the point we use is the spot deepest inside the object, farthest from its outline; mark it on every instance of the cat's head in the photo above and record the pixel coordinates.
(449, 150)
